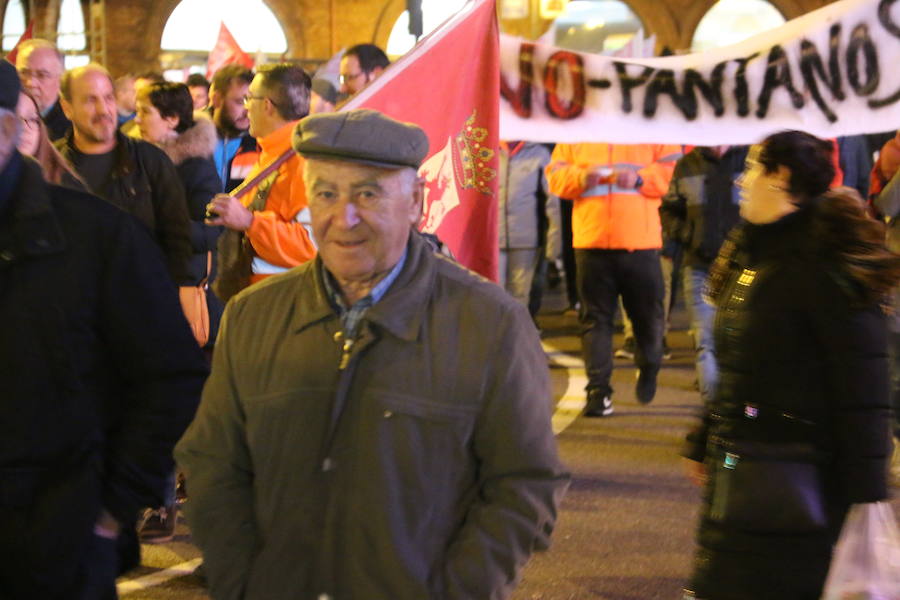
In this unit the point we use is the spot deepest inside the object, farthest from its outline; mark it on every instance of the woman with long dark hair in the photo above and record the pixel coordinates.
(35, 142)
(798, 429)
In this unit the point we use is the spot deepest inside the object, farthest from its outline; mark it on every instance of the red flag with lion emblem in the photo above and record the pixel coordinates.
(449, 85)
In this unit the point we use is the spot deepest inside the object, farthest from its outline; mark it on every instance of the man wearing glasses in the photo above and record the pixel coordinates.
(272, 215)
(360, 65)
(40, 66)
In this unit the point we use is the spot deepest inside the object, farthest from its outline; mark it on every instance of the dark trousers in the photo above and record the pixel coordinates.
(602, 276)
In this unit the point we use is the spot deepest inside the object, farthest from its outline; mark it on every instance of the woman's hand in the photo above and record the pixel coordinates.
(695, 471)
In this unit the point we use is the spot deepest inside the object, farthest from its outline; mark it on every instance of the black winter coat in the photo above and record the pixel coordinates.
(803, 366)
(701, 205)
(144, 184)
(100, 376)
(58, 125)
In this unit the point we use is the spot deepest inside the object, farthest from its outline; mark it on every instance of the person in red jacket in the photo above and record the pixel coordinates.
(616, 191)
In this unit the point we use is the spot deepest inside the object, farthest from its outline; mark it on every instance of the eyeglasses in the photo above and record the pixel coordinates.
(345, 78)
(39, 74)
(32, 122)
(250, 97)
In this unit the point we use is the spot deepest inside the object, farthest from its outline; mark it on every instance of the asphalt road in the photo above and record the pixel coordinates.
(625, 531)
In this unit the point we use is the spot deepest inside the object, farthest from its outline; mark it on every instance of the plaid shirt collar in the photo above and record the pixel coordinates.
(351, 317)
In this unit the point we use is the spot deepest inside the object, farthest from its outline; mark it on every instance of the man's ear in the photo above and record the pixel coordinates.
(418, 200)
(67, 108)
(271, 109)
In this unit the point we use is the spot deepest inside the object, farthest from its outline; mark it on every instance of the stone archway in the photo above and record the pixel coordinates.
(136, 53)
(389, 14)
(695, 12)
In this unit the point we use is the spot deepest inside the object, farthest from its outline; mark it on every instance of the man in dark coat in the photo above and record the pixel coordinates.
(377, 424)
(132, 174)
(100, 375)
(697, 212)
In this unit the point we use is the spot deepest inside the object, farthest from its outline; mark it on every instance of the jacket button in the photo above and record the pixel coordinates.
(328, 465)
(339, 336)
(388, 414)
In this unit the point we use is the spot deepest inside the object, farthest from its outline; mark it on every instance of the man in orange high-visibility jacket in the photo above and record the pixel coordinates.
(279, 234)
(616, 191)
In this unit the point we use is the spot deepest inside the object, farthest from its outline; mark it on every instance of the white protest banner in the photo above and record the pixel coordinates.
(832, 72)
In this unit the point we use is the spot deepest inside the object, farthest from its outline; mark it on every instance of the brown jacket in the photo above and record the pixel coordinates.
(426, 469)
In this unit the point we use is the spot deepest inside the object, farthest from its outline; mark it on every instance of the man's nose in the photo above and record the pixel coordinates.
(348, 214)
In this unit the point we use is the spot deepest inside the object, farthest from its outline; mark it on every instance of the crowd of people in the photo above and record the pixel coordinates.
(374, 419)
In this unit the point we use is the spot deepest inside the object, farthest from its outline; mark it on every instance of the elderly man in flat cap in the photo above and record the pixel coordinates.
(377, 423)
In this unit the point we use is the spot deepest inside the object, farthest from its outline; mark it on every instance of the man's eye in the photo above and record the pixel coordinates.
(366, 197)
(325, 196)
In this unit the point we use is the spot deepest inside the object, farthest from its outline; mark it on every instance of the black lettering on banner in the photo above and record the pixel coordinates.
(712, 91)
(778, 74)
(663, 82)
(520, 99)
(811, 66)
(741, 89)
(574, 64)
(600, 84)
(884, 17)
(629, 82)
(860, 41)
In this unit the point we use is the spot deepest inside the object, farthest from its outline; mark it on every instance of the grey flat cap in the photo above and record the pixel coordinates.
(9, 86)
(362, 136)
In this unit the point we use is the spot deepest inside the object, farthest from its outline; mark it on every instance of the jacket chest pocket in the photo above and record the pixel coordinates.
(419, 442)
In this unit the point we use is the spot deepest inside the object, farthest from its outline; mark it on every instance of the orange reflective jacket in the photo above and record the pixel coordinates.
(607, 216)
(276, 235)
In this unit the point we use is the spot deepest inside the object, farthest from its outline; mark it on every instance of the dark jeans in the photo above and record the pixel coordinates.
(602, 276)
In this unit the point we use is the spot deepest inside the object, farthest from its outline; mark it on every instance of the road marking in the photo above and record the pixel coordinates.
(569, 407)
(158, 578)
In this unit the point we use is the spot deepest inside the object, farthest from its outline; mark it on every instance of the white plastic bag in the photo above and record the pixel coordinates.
(866, 560)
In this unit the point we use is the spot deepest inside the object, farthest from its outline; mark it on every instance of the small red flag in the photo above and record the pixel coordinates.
(225, 52)
(449, 85)
(29, 33)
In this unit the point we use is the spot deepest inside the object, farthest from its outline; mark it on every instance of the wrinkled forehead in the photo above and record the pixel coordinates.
(338, 171)
(39, 58)
(92, 82)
